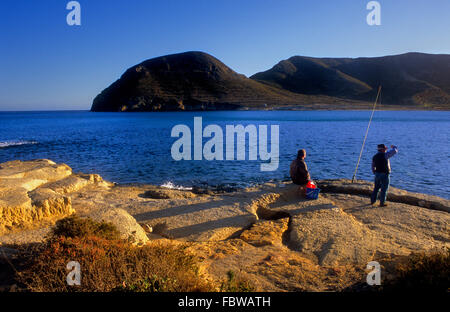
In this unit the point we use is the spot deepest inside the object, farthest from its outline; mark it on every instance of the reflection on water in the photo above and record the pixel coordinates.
(135, 147)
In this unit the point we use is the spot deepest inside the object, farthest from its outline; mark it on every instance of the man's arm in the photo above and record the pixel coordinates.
(373, 166)
(304, 168)
(392, 152)
(307, 173)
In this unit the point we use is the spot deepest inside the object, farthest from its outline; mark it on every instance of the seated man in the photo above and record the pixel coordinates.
(299, 171)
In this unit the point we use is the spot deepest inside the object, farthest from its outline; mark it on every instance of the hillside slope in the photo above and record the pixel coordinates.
(413, 79)
(199, 81)
(188, 81)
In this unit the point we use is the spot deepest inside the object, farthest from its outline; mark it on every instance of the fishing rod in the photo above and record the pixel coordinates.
(367, 132)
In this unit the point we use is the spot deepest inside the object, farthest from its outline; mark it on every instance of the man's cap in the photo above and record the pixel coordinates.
(382, 147)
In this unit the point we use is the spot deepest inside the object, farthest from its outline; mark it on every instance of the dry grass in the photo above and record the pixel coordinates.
(235, 283)
(422, 271)
(107, 263)
(75, 226)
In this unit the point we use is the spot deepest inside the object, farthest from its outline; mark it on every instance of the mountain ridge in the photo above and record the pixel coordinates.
(196, 80)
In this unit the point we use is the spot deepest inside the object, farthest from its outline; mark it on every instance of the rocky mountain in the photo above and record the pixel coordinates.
(188, 81)
(411, 79)
(199, 81)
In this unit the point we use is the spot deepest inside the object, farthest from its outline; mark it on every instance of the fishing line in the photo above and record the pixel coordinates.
(367, 132)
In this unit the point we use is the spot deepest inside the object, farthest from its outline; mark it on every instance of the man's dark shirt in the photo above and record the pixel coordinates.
(299, 172)
(380, 162)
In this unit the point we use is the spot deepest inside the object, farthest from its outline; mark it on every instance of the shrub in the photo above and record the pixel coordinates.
(429, 272)
(236, 284)
(75, 226)
(107, 263)
(151, 284)
(111, 265)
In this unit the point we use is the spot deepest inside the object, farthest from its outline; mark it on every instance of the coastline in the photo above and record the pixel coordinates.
(368, 107)
(268, 232)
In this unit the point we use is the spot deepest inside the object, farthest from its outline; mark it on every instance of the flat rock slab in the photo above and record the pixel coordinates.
(14, 197)
(360, 187)
(344, 228)
(176, 214)
(200, 219)
(67, 185)
(40, 170)
(318, 229)
(331, 237)
(399, 229)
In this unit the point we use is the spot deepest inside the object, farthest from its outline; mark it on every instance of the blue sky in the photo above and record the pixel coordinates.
(46, 64)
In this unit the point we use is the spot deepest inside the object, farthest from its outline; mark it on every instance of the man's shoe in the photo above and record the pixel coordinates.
(383, 205)
(372, 203)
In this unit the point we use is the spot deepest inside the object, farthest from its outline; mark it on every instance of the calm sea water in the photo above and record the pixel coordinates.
(135, 147)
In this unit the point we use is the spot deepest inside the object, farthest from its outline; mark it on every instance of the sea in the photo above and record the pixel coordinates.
(137, 147)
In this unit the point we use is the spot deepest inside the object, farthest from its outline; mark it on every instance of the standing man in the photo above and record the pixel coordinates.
(381, 167)
(299, 171)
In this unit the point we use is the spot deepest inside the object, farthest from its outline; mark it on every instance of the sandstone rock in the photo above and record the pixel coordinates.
(332, 237)
(16, 197)
(259, 206)
(41, 170)
(285, 202)
(215, 228)
(318, 228)
(26, 183)
(48, 203)
(19, 209)
(164, 193)
(264, 233)
(147, 228)
(270, 232)
(92, 177)
(399, 228)
(67, 185)
(124, 222)
(35, 191)
(156, 194)
(200, 218)
(160, 229)
(344, 186)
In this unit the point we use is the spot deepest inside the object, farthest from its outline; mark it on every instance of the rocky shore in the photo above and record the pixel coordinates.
(268, 233)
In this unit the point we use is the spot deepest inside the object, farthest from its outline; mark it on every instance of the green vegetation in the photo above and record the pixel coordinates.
(236, 284)
(75, 226)
(109, 263)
